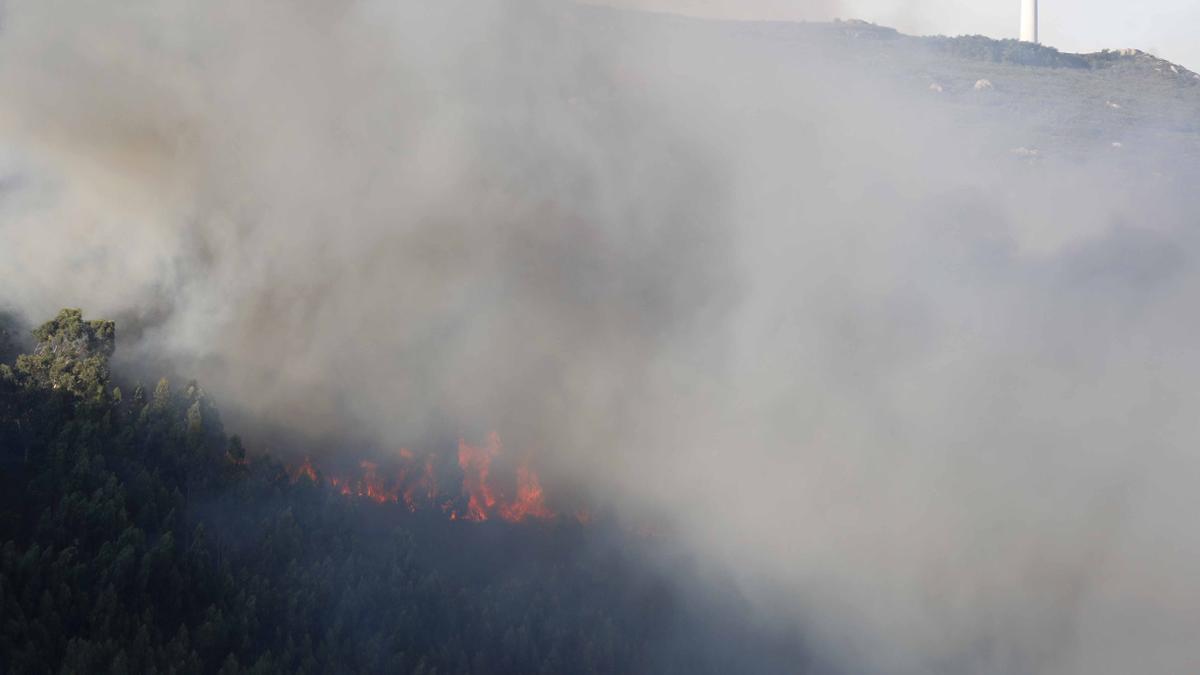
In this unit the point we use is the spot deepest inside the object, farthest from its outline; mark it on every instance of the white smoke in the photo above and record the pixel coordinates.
(923, 399)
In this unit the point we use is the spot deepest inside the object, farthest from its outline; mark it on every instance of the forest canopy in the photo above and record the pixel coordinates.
(136, 536)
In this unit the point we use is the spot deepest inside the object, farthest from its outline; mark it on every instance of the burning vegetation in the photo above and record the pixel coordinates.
(486, 487)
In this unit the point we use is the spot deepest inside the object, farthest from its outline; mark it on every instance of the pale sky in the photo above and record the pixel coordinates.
(1168, 28)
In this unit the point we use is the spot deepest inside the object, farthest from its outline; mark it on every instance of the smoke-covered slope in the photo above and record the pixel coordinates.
(1068, 104)
(893, 335)
(137, 537)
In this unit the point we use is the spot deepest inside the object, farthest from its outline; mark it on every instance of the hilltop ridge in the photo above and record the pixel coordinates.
(1072, 105)
(976, 47)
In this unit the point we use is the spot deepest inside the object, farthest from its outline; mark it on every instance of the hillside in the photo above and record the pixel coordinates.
(1073, 105)
(523, 336)
(135, 536)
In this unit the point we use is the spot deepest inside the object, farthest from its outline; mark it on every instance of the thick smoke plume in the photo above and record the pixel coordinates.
(924, 400)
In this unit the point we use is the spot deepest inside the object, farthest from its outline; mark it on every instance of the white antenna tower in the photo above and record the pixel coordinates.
(1029, 21)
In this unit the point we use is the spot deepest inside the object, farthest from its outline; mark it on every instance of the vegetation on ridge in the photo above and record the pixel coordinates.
(135, 536)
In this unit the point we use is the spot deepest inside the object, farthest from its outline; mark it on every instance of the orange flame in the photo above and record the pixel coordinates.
(306, 469)
(530, 502)
(476, 464)
(414, 483)
(374, 487)
(422, 487)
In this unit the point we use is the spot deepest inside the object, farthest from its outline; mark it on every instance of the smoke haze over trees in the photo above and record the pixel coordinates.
(137, 537)
(906, 361)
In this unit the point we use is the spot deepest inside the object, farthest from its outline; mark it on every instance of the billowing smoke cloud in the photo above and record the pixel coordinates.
(923, 398)
(758, 10)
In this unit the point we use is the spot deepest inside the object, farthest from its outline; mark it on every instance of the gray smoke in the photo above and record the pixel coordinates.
(922, 398)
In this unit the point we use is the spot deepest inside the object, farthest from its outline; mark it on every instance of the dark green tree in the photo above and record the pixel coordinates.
(135, 536)
(71, 355)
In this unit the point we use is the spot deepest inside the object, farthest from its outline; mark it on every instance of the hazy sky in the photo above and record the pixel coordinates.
(1165, 27)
